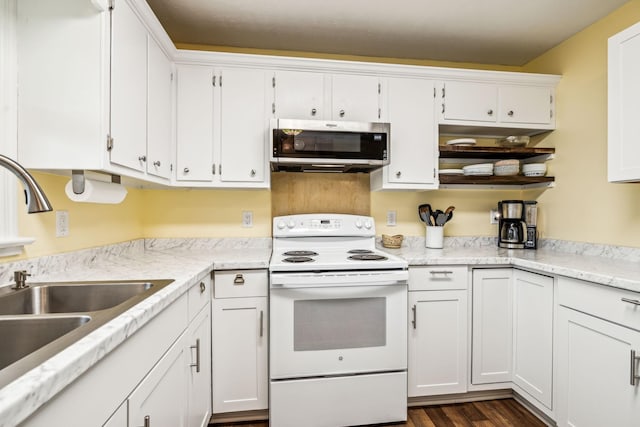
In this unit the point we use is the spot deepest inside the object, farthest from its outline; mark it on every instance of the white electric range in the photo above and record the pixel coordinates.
(338, 324)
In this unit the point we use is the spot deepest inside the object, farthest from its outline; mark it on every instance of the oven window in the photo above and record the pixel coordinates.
(331, 324)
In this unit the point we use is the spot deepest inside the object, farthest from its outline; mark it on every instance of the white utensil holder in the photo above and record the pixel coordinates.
(434, 237)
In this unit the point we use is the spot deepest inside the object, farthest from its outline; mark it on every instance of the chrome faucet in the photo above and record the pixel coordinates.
(36, 199)
(20, 278)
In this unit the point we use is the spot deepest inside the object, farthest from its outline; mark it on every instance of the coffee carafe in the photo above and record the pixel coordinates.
(512, 230)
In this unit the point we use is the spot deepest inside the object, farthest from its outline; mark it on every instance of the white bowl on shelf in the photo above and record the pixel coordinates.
(482, 169)
(534, 169)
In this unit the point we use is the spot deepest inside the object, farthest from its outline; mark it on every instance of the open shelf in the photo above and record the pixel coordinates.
(475, 152)
(495, 180)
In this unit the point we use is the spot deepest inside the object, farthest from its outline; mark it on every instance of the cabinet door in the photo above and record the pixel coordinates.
(240, 380)
(492, 326)
(533, 334)
(593, 371)
(413, 131)
(199, 373)
(243, 125)
(162, 395)
(128, 88)
(299, 95)
(624, 105)
(469, 102)
(355, 98)
(437, 342)
(194, 133)
(159, 112)
(525, 104)
(119, 418)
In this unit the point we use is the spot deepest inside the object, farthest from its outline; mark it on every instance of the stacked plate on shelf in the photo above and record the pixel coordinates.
(507, 167)
(482, 169)
(534, 169)
(462, 142)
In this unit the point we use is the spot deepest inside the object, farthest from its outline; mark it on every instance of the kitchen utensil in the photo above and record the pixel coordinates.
(449, 212)
(434, 216)
(424, 211)
(441, 219)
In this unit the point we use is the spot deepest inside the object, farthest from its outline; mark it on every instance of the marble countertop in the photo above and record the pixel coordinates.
(615, 272)
(185, 265)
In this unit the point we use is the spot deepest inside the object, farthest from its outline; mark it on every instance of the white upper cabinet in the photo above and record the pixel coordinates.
(243, 126)
(194, 123)
(128, 88)
(414, 136)
(159, 117)
(299, 95)
(469, 102)
(624, 105)
(525, 104)
(91, 110)
(355, 98)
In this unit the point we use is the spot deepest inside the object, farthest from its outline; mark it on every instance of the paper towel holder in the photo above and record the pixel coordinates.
(77, 180)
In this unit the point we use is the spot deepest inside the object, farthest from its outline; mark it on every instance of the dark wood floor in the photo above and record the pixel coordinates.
(490, 413)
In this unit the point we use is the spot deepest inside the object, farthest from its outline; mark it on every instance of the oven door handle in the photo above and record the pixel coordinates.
(336, 284)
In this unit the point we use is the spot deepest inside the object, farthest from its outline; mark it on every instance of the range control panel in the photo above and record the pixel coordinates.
(323, 225)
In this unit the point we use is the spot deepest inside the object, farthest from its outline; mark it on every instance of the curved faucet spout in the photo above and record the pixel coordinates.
(36, 199)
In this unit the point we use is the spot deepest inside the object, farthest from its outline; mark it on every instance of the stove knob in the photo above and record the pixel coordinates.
(291, 224)
(281, 225)
(358, 223)
(367, 224)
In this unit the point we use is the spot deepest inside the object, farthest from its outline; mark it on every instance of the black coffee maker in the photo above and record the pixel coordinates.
(512, 230)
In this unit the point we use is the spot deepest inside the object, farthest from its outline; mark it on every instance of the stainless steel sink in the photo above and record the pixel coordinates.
(39, 321)
(22, 336)
(69, 298)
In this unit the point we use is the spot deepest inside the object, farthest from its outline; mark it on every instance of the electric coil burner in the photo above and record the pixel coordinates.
(338, 324)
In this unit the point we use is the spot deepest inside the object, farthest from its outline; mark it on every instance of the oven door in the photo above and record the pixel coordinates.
(318, 328)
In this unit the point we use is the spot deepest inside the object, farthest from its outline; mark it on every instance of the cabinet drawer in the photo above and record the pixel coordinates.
(240, 283)
(600, 301)
(442, 277)
(199, 295)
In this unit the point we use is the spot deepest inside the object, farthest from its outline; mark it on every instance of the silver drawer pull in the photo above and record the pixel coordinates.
(414, 322)
(634, 361)
(239, 280)
(147, 421)
(631, 301)
(203, 287)
(261, 323)
(434, 272)
(197, 348)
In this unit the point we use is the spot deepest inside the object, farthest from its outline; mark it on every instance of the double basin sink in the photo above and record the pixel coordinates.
(39, 321)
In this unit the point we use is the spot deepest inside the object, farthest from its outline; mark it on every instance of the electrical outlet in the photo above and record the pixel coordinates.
(391, 218)
(62, 223)
(494, 216)
(247, 219)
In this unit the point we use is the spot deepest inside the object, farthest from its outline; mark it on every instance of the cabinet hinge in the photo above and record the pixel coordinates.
(379, 112)
(220, 80)
(273, 81)
(273, 108)
(171, 77)
(220, 169)
(551, 114)
(109, 143)
(379, 88)
(550, 99)
(213, 169)
(171, 167)
(443, 91)
(434, 92)
(213, 81)
(112, 4)
(434, 173)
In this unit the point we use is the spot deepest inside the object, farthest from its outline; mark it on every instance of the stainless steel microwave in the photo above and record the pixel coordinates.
(328, 146)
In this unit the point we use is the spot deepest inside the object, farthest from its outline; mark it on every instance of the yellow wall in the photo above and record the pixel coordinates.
(576, 209)
(584, 206)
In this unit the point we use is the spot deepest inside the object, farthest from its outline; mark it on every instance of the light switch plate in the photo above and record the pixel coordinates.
(247, 219)
(493, 216)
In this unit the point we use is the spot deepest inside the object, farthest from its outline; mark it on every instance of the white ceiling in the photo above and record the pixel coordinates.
(508, 32)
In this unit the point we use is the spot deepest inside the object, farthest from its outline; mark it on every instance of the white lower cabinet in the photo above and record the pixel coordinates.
(492, 330)
(437, 331)
(199, 369)
(533, 335)
(240, 341)
(595, 367)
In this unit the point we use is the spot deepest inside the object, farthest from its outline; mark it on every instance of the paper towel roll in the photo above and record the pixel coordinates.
(97, 192)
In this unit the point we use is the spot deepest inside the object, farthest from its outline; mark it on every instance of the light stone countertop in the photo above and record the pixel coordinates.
(185, 265)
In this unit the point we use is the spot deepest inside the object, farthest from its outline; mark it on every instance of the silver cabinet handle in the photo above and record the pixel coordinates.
(253, 172)
(142, 158)
(313, 111)
(197, 347)
(186, 170)
(490, 113)
(261, 323)
(634, 361)
(631, 301)
(398, 174)
(445, 272)
(341, 113)
(147, 421)
(510, 113)
(239, 280)
(414, 322)
(156, 163)
(203, 287)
